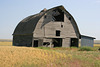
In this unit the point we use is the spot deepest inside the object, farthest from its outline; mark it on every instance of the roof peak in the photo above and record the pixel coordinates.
(43, 10)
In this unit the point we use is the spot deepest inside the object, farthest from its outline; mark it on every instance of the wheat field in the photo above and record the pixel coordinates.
(96, 45)
(11, 56)
(5, 43)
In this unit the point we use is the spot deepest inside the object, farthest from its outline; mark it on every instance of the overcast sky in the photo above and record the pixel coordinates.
(85, 12)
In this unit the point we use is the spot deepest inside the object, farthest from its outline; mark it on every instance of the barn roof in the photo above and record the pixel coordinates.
(27, 25)
(87, 36)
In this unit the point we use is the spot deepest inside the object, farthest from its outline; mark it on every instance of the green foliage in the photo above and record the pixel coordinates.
(45, 48)
(86, 49)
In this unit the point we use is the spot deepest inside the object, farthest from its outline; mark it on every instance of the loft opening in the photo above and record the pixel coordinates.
(58, 15)
(57, 32)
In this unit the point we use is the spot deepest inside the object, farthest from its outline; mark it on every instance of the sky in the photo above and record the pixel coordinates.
(85, 12)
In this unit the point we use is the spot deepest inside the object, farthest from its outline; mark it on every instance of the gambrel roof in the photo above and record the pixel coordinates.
(27, 25)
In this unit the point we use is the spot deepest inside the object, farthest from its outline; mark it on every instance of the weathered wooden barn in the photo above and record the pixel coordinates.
(52, 28)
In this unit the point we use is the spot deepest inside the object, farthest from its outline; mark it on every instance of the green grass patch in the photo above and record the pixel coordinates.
(86, 49)
(45, 48)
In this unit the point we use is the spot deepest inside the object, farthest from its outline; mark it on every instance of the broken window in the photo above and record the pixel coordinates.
(58, 15)
(57, 32)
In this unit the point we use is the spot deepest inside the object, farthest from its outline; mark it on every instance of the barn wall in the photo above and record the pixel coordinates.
(85, 41)
(22, 40)
(40, 42)
(48, 40)
(66, 42)
(47, 28)
(72, 21)
(39, 32)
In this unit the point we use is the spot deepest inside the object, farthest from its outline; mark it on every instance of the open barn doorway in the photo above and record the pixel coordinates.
(35, 43)
(57, 42)
(74, 42)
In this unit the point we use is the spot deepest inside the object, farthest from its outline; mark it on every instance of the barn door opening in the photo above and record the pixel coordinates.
(74, 42)
(35, 43)
(57, 42)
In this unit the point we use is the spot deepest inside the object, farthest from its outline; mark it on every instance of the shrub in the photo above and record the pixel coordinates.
(85, 49)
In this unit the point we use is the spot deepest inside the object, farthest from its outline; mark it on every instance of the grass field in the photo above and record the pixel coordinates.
(11, 56)
(96, 45)
(5, 43)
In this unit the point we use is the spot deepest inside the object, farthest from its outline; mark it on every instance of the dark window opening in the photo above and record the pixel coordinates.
(35, 43)
(61, 26)
(69, 18)
(58, 15)
(57, 32)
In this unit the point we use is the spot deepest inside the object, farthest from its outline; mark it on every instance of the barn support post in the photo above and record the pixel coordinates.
(32, 41)
(51, 44)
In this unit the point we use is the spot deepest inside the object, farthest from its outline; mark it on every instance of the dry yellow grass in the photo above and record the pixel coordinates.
(5, 43)
(96, 45)
(11, 56)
